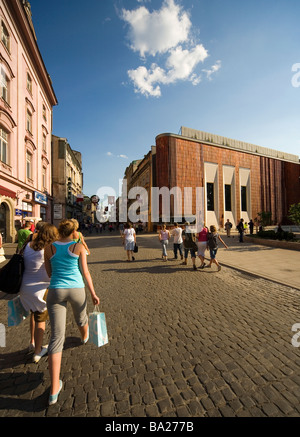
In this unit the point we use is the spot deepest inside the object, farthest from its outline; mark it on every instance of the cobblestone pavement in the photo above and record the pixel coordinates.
(182, 343)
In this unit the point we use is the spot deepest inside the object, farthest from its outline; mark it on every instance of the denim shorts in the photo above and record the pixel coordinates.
(186, 252)
(213, 253)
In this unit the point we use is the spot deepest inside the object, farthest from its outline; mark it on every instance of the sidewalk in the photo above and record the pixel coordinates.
(277, 265)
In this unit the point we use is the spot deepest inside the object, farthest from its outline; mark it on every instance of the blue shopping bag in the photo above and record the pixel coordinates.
(16, 312)
(97, 328)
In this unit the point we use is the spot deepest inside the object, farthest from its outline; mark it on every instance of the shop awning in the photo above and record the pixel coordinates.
(6, 192)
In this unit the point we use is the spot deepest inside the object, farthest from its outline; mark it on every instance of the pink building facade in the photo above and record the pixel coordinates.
(26, 102)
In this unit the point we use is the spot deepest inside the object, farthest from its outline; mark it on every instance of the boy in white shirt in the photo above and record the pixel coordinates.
(177, 235)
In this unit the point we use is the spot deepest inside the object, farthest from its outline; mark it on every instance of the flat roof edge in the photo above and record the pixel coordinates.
(227, 143)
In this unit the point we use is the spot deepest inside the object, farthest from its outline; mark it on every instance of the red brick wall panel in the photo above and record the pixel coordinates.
(274, 184)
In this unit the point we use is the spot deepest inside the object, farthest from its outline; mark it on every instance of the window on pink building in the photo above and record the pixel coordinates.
(44, 113)
(28, 165)
(5, 36)
(3, 146)
(4, 86)
(44, 143)
(29, 121)
(29, 83)
(44, 177)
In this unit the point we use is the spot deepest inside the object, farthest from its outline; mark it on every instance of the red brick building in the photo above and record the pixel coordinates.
(239, 179)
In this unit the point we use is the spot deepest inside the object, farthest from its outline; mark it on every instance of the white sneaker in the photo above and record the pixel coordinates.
(37, 357)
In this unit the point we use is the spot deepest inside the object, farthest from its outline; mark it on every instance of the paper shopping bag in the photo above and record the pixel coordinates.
(97, 328)
(16, 312)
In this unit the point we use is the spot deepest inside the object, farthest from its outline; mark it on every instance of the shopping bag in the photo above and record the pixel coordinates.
(97, 328)
(16, 312)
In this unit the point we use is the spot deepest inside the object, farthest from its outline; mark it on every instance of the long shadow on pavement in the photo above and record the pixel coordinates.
(16, 384)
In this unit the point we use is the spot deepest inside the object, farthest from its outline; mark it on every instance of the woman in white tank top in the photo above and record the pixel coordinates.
(35, 283)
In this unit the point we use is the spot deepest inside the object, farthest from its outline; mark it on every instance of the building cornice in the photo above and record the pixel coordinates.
(16, 8)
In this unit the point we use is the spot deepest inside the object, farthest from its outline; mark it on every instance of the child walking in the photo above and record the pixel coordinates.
(212, 245)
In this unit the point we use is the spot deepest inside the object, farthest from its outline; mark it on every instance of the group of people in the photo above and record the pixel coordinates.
(196, 244)
(242, 228)
(185, 242)
(55, 261)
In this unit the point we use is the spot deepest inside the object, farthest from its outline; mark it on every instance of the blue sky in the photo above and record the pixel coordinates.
(125, 71)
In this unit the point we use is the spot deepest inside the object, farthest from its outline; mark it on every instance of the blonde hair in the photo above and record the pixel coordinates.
(46, 235)
(66, 228)
(75, 223)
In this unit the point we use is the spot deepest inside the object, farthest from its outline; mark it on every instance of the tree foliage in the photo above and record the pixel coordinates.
(294, 213)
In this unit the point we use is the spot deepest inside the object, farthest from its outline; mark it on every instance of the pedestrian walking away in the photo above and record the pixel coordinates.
(164, 236)
(78, 237)
(129, 241)
(189, 244)
(202, 244)
(228, 226)
(23, 234)
(241, 229)
(66, 265)
(35, 283)
(177, 235)
(32, 326)
(212, 245)
(251, 226)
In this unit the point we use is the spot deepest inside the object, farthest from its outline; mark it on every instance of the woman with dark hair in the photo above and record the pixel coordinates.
(35, 283)
(66, 265)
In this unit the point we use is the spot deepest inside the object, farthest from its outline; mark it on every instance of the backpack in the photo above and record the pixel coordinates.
(212, 241)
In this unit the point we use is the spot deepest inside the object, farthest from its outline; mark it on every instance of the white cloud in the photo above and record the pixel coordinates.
(144, 80)
(164, 35)
(116, 156)
(214, 68)
(157, 31)
(180, 65)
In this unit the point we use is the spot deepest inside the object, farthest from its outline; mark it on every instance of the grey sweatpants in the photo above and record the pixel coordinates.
(57, 300)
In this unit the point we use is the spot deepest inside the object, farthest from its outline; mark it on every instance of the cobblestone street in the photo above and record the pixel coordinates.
(182, 343)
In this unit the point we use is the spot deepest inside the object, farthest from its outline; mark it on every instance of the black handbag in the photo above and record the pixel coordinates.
(11, 274)
(136, 249)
